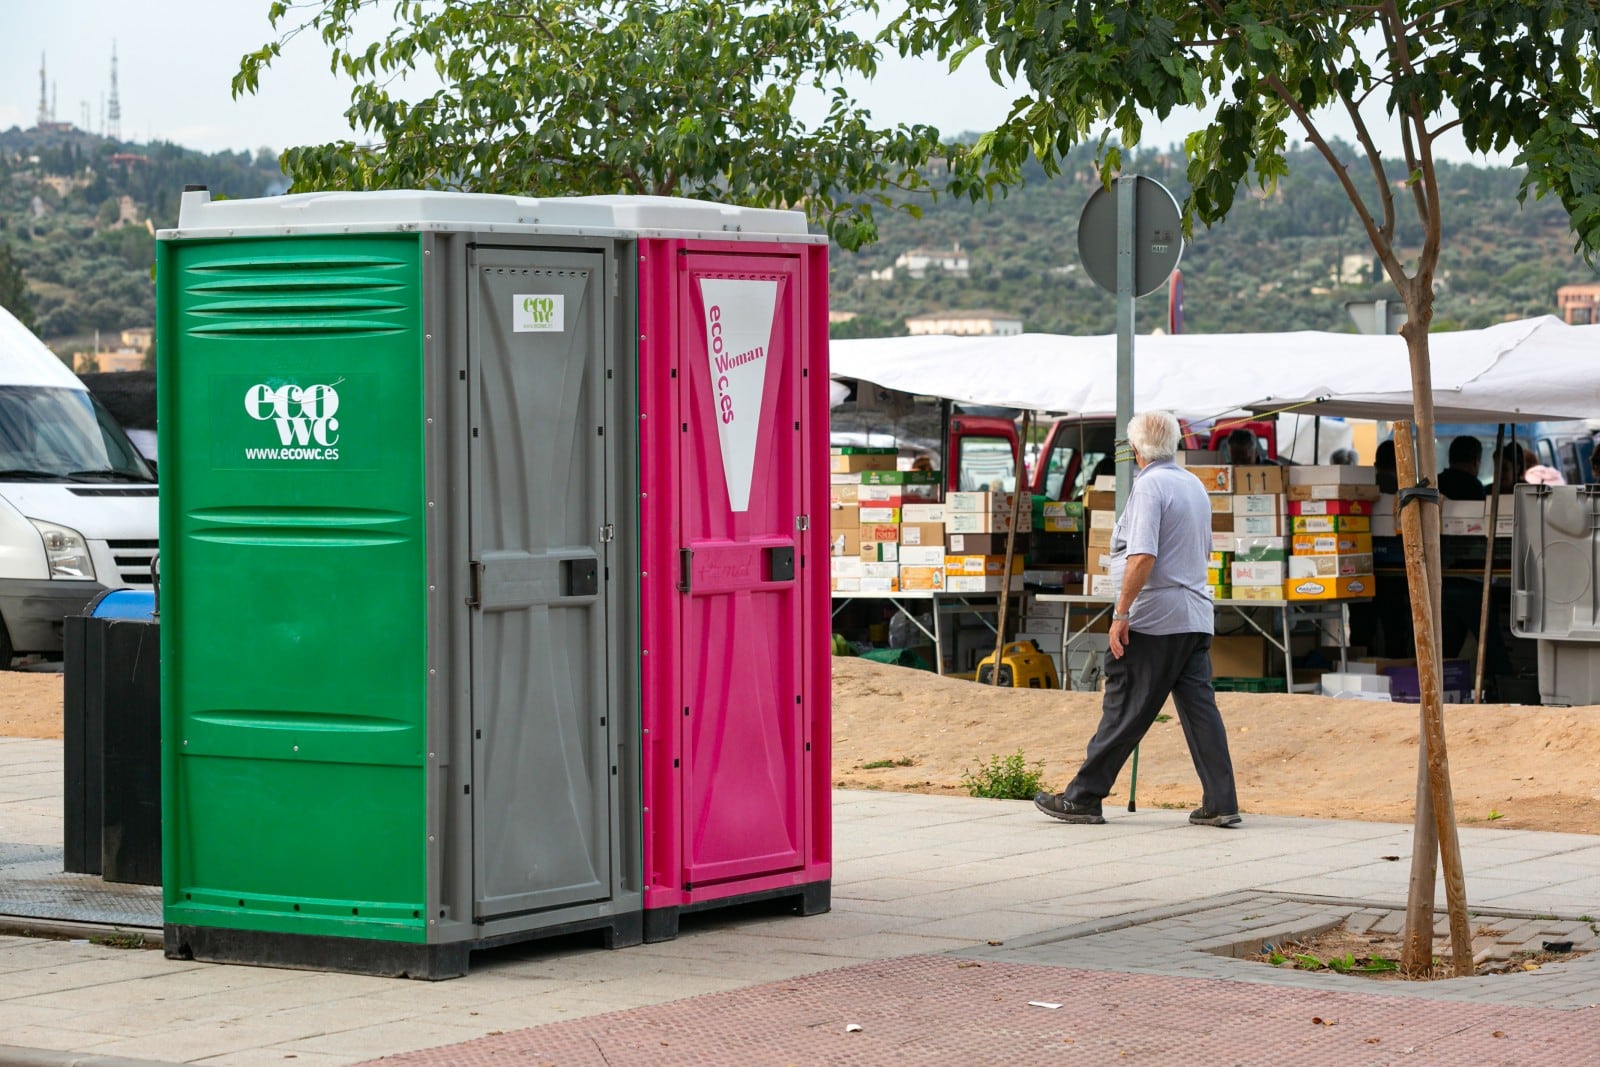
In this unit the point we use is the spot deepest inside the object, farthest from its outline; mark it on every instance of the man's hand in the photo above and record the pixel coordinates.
(1118, 637)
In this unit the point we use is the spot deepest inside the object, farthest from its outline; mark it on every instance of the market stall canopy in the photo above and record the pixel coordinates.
(1523, 370)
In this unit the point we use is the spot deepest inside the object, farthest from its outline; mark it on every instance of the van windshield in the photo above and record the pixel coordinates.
(63, 435)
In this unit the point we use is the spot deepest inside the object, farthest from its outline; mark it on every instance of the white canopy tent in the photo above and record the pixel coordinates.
(1523, 371)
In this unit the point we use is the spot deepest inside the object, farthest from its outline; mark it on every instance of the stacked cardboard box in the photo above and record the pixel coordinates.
(1099, 518)
(976, 526)
(1330, 514)
(873, 551)
(1257, 540)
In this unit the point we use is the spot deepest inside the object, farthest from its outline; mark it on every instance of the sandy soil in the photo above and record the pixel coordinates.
(1511, 766)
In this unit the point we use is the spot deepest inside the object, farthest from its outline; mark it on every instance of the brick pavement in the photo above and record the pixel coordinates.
(948, 1010)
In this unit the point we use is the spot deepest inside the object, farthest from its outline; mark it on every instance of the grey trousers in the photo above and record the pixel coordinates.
(1152, 667)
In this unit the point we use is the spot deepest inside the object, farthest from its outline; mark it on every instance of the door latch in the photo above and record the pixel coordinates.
(685, 569)
(802, 522)
(475, 584)
(608, 533)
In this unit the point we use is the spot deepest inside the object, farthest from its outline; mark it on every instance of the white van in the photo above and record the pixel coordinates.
(78, 508)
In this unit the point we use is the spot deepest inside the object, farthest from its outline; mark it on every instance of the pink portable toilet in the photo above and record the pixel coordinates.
(733, 434)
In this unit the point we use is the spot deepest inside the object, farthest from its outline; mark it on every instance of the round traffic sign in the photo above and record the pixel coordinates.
(1157, 236)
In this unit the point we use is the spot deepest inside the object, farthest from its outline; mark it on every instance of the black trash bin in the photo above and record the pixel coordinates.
(112, 739)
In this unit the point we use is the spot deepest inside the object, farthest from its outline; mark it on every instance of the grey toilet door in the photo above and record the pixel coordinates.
(542, 782)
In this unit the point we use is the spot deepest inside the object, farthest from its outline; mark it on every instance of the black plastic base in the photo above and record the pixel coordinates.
(384, 959)
(812, 898)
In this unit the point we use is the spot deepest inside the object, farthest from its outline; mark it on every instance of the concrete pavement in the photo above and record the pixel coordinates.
(1146, 897)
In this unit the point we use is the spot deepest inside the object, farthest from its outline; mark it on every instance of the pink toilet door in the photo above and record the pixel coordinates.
(741, 503)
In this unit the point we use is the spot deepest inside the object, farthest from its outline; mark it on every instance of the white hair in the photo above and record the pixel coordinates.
(1153, 435)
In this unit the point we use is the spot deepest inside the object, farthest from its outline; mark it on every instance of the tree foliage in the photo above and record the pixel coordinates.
(14, 287)
(570, 97)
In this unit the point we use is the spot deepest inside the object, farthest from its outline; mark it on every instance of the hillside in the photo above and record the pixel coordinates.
(77, 213)
(1273, 265)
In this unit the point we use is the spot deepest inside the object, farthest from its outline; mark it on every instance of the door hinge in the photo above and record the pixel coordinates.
(685, 569)
(475, 585)
(608, 533)
(802, 522)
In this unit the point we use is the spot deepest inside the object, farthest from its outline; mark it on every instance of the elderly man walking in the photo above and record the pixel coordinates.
(1160, 635)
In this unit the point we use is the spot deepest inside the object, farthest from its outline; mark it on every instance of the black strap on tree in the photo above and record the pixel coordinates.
(1422, 492)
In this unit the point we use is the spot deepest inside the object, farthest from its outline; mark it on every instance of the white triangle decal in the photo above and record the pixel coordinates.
(739, 319)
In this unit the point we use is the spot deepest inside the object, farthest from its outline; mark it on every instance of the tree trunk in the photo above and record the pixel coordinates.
(1417, 955)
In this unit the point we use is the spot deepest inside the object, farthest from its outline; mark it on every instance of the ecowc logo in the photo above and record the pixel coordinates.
(306, 418)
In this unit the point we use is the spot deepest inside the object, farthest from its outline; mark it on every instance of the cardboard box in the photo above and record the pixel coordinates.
(880, 570)
(967, 583)
(921, 555)
(1265, 478)
(1257, 574)
(845, 585)
(1062, 509)
(1220, 559)
(1455, 681)
(847, 566)
(1221, 520)
(1216, 478)
(1217, 575)
(921, 579)
(1102, 520)
(1335, 474)
(1383, 526)
(1463, 518)
(1064, 524)
(1238, 657)
(1100, 538)
(1331, 544)
(1100, 585)
(844, 517)
(984, 501)
(920, 513)
(1220, 503)
(880, 585)
(983, 565)
(880, 551)
(1221, 541)
(1191, 457)
(1098, 563)
(845, 493)
(879, 532)
(1219, 592)
(851, 464)
(904, 478)
(1332, 566)
(1257, 504)
(1356, 685)
(922, 533)
(1334, 507)
(977, 522)
(1331, 523)
(861, 450)
(1252, 549)
(1257, 592)
(984, 544)
(879, 496)
(1100, 500)
(1333, 492)
(1355, 586)
(844, 542)
(879, 516)
(1050, 627)
(1258, 525)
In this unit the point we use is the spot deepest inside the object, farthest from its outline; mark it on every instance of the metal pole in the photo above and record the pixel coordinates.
(1125, 276)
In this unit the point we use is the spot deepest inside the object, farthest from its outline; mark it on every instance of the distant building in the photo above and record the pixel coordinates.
(106, 362)
(965, 324)
(138, 338)
(1579, 304)
(833, 316)
(918, 261)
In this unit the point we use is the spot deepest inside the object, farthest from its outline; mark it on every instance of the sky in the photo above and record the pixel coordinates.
(176, 59)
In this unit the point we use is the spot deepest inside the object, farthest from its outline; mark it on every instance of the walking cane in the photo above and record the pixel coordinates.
(1133, 783)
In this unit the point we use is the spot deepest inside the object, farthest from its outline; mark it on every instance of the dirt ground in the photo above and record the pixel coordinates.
(1511, 766)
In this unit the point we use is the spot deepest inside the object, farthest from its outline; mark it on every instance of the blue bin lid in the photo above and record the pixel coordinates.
(124, 604)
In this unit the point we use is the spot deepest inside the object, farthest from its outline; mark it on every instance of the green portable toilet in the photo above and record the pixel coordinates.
(400, 689)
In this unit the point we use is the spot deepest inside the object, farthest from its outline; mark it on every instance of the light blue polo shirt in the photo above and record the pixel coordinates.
(1167, 516)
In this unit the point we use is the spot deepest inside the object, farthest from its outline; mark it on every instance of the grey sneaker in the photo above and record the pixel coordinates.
(1202, 817)
(1057, 806)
